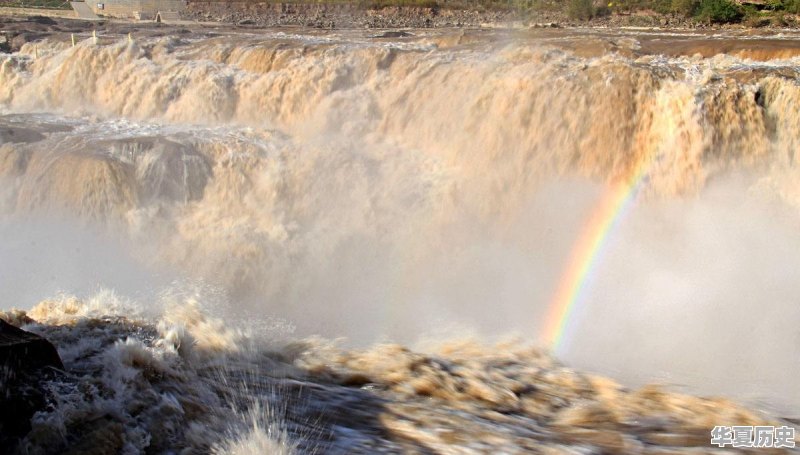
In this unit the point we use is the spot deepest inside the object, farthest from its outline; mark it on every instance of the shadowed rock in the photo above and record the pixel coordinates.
(25, 360)
(24, 352)
(19, 135)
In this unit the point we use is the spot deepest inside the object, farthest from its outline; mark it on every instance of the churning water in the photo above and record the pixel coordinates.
(194, 219)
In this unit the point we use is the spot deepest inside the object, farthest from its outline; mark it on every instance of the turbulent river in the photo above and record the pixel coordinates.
(349, 242)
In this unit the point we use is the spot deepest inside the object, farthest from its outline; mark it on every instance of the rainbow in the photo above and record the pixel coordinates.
(586, 255)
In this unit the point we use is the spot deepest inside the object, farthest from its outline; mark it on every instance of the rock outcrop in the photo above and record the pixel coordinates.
(26, 360)
(25, 352)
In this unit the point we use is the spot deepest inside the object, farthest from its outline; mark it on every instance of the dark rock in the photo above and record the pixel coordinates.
(26, 360)
(42, 20)
(25, 352)
(760, 98)
(19, 135)
(394, 34)
(19, 39)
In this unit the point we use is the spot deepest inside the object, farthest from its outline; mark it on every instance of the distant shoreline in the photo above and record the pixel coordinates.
(761, 45)
(393, 14)
(398, 14)
(334, 15)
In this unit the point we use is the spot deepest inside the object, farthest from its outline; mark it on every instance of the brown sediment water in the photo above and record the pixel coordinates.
(418, 196)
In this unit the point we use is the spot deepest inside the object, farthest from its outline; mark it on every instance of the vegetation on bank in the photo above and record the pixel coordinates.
(35, 4)
(752, 13)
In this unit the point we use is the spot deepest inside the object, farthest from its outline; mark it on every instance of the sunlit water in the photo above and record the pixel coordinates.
(193, 220)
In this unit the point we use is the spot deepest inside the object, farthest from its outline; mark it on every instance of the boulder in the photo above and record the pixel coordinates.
(26, 361)
(24, 352)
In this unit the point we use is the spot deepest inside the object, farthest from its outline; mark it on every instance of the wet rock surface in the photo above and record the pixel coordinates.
(26, 361)
(19, 135)
(25, 352)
